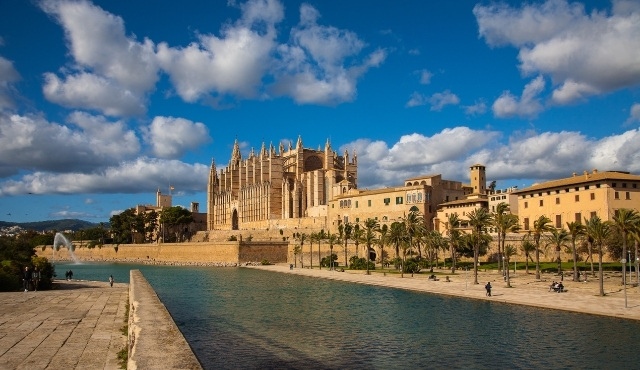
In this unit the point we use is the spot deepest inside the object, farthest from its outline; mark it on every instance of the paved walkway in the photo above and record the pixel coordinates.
(74, 326)
(580, 297)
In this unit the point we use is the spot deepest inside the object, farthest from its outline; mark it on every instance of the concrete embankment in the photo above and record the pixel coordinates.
(155, 342)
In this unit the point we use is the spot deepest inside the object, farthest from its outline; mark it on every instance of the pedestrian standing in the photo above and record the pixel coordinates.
(35, 278)
(26, 278)
(111, 280)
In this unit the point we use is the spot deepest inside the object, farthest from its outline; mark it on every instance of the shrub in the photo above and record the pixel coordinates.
(265, 262)
(232, 238)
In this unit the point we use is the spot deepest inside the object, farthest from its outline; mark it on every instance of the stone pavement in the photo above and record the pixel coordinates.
(77, 325)
(526, 290)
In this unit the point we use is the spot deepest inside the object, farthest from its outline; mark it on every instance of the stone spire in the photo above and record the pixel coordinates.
(235, 154)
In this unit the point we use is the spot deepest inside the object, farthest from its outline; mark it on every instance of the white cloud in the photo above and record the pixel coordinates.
(311, 68)
(8, 76)
(440, 100)
(234, 63)
(135, 176)
(528, 105)
(528, 155)
(583, 54)
(97, 41)
(90, 91)
(32, 143)
(171, 137)
(634, 114)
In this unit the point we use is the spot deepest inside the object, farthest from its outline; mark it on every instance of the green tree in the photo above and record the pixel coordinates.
(397, 236)
(527, 247)
(598, 232)
(123, 226)
(504, 222)
(624, 222)
(345, 234)
(454, 234)
(576, 230)
(540, 226)
(509, 251)
(357, 236)
(332, 239)
(371, 226)
(479, 219)
(384, 231)
(558, 238)
(414, 227)
(176, 219)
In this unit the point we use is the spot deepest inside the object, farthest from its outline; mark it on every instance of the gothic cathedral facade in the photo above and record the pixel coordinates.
(275, 189)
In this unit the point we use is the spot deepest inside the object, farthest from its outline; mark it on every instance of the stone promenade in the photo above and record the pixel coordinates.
(77, 325)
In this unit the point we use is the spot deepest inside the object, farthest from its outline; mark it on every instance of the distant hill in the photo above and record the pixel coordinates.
(59, 225)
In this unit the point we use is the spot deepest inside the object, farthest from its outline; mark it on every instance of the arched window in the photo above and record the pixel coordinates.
(312, 163)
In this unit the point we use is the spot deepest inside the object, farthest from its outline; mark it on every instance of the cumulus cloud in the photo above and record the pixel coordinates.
(233, 63)
(171, 137)
(134, 176)
(111, 72)
(321, 64)
(31, 143)
(525, 155)
(417, 100)
(528, 105)
(8, 77)
(92, 92)
(583, 54)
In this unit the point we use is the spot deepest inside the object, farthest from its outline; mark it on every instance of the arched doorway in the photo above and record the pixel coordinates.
(234, 220)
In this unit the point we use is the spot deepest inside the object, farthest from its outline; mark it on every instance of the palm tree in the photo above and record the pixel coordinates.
(598, 232)
(397, 235)
(333, 239)
(504, 222)
(414, 226)
(509, 250)
(321, 236)
(576, 230)
(540, 226)
(356, 236)
(527, 248)
(636, 240)
(624, 222)
(345, 234)
(479, 219)
(299, 249)
(558, 238)
(454, 237)
(371, 227)
(312, 238)
(384, 230)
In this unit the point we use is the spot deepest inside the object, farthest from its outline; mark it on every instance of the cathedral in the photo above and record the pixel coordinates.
(277, 189)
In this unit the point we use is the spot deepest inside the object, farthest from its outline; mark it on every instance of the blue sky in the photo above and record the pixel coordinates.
(104, 102)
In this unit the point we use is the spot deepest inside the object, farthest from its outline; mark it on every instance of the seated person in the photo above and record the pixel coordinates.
(447, 279)
(560, 288)
(432, 277)
(553, 286)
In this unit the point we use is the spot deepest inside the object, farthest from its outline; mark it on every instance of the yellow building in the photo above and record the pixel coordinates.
(423, 194)
(579, 197)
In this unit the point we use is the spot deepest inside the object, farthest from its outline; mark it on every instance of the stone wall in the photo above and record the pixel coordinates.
(154, 340)
(193, 253)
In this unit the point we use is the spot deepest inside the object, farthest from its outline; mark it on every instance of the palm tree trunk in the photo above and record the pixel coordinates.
(345, 253)
(311, 254)
(575, 262)
(453, 259)
(475, 264)
(526, 264)
(319, 258)
(591, 255)
(537, 262)
(601, 277)
(507, 272)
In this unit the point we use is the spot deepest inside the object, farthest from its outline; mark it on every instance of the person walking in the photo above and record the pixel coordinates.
(35, 278)
(26, 278)
(488, 288)
(111, 280)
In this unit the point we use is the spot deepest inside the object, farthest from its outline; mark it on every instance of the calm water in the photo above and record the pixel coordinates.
(242, 318)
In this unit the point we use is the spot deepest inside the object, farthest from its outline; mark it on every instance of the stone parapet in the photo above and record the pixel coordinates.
(154, 340)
